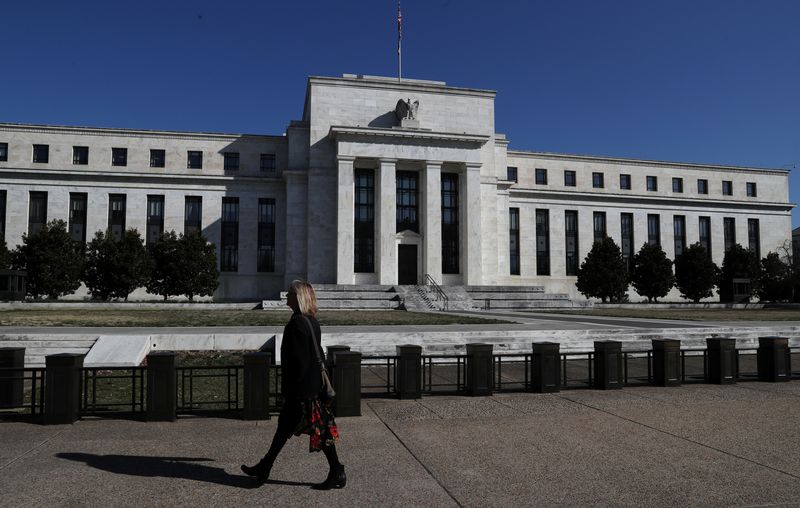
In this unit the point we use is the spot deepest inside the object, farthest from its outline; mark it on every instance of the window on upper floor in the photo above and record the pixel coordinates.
(119, 156)
(702, 186)
(511, 174)
(751, 190)
(267, 164)
(158, 158)
(597, 180)
(194, 159)
(80, 155)
(625, 182)
(569, 178)
(541, 176)
(231, 161)
(41, 154)
(677, 185)
(652, 183)
(727, 188)
(3, 152)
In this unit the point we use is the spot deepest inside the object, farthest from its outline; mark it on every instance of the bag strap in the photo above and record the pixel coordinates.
(313, 339)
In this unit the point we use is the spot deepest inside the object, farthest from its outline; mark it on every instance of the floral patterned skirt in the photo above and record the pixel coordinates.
(317, 421)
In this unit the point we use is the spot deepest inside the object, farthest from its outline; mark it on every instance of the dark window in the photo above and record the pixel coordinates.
(231, 161)
(364, 251)
(41, 153)
(705, 234)
(626, 227)
(599, 221)
(407, 217)
(729, 232)
(2, 215)
(677, 185)
(511, 174)
(653, 229)
(155, 218)
(450, 237)
(157, 158)
(597, 180)
(194, 159)
(652, 183)
(77, 216)
(754, 237)
(625, 182)
(571, 234)
(702, 186)
(116, 215)
(3, 152)
(80, 155)
(37, 212)
(542, 242)
(119, 156)
(513, 240)
(541, 176)
(193, 215)
(679, 230)
(569, 178)
(267, 163)
(229, 239)
(266, 235)
(751, 190)
(727, 188)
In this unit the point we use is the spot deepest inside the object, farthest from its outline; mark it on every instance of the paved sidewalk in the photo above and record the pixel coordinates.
(695, 445)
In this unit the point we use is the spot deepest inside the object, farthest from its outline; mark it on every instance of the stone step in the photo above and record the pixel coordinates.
(518, 296)
(505, 289)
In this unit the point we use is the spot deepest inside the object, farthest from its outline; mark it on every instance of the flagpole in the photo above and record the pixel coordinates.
(399, 43)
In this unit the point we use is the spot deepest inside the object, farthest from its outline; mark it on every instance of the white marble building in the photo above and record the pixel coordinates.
(353, 194)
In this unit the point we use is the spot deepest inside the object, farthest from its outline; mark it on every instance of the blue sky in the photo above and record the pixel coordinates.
(696, 81)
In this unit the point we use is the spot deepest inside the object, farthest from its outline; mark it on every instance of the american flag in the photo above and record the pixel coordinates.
(399, 27)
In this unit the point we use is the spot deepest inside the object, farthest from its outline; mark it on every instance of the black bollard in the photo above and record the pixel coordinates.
(162, 389)
(545, 367)
(608, 365)
(666, 362)
(62, 387)
(774, 359)
(330, 352)
(409, 372)
(256, 386)
(480, 369)
(11, 381)
(721, 357)
(347, 383)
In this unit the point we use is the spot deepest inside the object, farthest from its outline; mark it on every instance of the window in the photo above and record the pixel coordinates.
(571, 234)
(542, 242)
(625, 182)
(119, 156)
(116, 215)
(450, 237)
(41, 154)
(727, 188)
(653, 229)
(266, 235)
(77, 216)
(3, 152)
(229, 238)
(364, 251)
(231, 161)
(80, 155)
(267, 163)
(754, 237)
(157, 158)
(597, 180)
(705, 234)
(511, 174)
(513, 240)
(677, 185)
(155, 218)
(702, 186)
(569, 178)
(751, 190)
(407, 217)
(37, 212)
(626, 227)
(679, 230)
(193, 215)
(194, 159)
(599, 220)
(729, 232)
(541, 176)
(3, 198)
(652, 183)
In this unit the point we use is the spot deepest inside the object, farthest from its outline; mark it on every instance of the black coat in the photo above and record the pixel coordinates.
(300, 375)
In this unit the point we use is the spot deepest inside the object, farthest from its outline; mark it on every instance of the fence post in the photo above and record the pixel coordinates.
(11, 381)
(608, 365)
(256, 386)
(347, 383)
(545, 367)
(409, 372)
(721, 360)
(666, 362)
(774, 359)
(330, 353)
(62, 387)
(480, 369)
(162, 387)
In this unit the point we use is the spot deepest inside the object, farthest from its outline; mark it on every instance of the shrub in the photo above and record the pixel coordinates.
(695, 273)
(652, 276)
(114, 268)
(164, 277)
(197, 266)
(775, 280)
(54, 262)
(602, 274)
(739, 263)
(5, 256)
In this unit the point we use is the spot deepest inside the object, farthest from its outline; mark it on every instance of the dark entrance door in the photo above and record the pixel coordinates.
(406, 264)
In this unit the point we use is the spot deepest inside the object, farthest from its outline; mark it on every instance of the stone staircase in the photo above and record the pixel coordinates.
(338, 296)
(39, 346)
(519, 298)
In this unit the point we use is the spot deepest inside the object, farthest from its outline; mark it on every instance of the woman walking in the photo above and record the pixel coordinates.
(301, 383)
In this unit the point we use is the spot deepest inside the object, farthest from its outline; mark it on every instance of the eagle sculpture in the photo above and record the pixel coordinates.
(406, 109)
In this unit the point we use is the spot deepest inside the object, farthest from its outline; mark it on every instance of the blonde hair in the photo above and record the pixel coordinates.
(306, 297)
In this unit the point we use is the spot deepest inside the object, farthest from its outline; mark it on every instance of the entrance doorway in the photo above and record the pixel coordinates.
(406, 264)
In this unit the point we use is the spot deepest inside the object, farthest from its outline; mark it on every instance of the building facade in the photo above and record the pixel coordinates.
(381, 182)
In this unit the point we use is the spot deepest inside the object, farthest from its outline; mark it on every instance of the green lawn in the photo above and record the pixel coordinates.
(775, 314)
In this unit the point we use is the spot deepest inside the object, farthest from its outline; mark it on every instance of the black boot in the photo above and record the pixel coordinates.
(260, 471)
(336, 479)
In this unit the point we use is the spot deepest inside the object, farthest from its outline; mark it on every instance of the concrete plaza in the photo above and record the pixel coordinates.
(695, 445)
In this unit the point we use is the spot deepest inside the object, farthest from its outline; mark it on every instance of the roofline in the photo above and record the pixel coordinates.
(417, 85)
(124, 131)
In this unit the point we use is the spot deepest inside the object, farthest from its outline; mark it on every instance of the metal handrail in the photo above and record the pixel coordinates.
(440, 294)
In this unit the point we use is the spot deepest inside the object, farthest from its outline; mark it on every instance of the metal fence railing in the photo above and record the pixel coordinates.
(443, 374)
(24, 392)
(203, 389)
(110, 390)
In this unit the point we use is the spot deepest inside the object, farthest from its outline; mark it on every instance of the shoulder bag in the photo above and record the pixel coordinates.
(327, 393)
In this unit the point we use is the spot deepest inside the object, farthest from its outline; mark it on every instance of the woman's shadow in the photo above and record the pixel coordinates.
(190, 468)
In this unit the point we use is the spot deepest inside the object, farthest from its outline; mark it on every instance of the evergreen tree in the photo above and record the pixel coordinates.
(53, 261)
(738, 263)
(114, 268)
(602, 274)
(775, 279)
(197, 266)
(164, 278)
(695, 273)
(652, 272)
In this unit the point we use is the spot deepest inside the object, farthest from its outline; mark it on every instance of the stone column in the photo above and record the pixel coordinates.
(296, 225)
(472, 244)
(345, 221)
(387, 223)
(432, 229)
